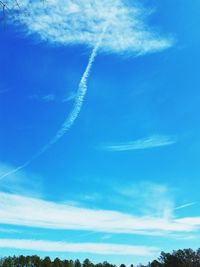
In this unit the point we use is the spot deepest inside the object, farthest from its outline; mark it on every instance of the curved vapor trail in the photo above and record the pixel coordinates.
(82, 90)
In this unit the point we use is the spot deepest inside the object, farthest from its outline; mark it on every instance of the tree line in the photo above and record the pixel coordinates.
(178, 258)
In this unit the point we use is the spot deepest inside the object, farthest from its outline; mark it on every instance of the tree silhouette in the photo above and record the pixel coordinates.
(178, 258)
(46, 262)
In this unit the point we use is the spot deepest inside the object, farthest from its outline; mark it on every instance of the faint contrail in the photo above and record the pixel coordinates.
(16, 169)
(82, 89)
(185, 205)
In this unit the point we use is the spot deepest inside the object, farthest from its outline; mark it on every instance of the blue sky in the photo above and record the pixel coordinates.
(124, 177)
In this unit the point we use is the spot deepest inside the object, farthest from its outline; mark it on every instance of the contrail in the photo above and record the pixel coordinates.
(82, 90)
(16, 169)
(185, 205)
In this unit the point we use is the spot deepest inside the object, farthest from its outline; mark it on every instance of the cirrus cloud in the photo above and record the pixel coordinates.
(35, 212)
(75, 22)
(94, 248)
(140, 144)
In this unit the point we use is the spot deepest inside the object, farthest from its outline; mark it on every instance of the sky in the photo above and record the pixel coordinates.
(99, 140)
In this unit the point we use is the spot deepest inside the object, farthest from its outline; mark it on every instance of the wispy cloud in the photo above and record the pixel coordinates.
(43, 98)
(94, 248)
(49, 98)
(145, 143)
(81, 22)
(20, 182)
(70, 97)
(32, 212)
(185, 205)
(150, 198)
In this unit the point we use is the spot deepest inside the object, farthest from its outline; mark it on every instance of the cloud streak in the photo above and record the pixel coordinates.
(141, 144)
(185, 205)
(33, 212)
(94, 248)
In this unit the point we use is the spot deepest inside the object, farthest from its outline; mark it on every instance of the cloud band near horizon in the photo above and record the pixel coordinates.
(32, 212)
(93, 248)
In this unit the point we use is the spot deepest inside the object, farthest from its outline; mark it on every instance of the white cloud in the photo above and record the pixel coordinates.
(145, 143)
(194, 221)
(74, 22)
(25, 211)
(94, 248)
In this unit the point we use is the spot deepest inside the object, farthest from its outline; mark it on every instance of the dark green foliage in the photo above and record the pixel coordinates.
(87, 263)
(155, 263)
(66, 263)
(7, 262)
(178, 258)
(77, 263)
(57, 263)
(46, 262)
